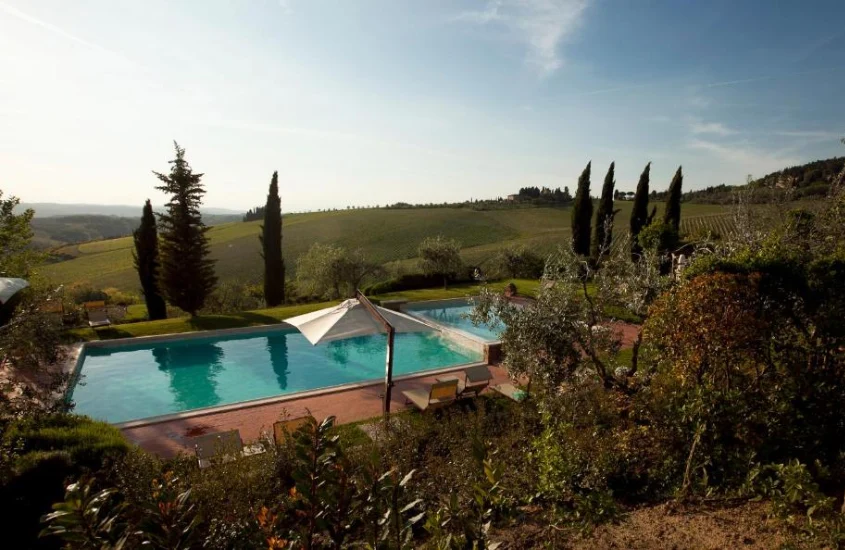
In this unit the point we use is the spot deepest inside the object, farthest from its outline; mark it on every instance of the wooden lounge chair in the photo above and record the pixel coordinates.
(283, 429)
(98, 315)
(222, 447)
(438, 395)
(475, 379)
(509, 390)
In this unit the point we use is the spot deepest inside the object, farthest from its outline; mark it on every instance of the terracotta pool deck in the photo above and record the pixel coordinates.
(170, 437)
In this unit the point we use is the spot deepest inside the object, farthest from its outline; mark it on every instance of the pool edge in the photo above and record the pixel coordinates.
(130, 424)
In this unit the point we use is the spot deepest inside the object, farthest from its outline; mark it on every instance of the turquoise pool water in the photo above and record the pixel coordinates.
(143, 380)
(455, 315)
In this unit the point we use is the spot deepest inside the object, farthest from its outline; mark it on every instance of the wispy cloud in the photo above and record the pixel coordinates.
(543, 25)
(820, 135)
(716, 128)
(14, 12)
(745, 155)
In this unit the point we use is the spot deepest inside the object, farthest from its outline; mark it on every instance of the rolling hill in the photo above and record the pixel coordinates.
(55, 231)
(384, 235)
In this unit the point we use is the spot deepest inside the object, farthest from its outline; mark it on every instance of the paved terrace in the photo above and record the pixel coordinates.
(170, 437)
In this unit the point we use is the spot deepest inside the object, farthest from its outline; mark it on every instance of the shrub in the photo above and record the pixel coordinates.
(44, 453)
(116, 296)
(409, 281)
(231, 297)
(519, 262)
(659, 236)
(81, 295)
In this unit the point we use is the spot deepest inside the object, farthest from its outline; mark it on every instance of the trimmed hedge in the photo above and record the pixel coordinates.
(43, 453)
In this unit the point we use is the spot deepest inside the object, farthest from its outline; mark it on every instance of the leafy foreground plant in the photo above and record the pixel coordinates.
(87, 519)
(467, 525)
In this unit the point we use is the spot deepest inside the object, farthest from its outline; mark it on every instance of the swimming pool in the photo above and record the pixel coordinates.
(453, 313)
(140, 380)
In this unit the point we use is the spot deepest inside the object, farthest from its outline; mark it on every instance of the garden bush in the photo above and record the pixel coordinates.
(42, 453)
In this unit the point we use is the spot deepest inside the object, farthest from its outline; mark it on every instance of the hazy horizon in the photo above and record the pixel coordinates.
(364, 103)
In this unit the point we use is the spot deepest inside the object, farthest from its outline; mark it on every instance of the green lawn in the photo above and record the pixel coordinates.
(384, 236)
(272, 315)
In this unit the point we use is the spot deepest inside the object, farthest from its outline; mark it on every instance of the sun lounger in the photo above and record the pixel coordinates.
(438, 395)
(98, 315)
(283, 429)
(222, 447)
(472, 380)
(509, 390)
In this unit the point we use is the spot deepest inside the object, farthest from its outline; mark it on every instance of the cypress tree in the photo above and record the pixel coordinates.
(271, 246)
(187, 273)
(672, 214)
(639, 212)
(604, 233)
(582, 214)
(146, 263)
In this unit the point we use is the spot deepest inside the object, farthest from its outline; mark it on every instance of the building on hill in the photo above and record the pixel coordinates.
(513, 197)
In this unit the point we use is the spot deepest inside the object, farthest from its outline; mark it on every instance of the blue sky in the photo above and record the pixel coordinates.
(377, 101)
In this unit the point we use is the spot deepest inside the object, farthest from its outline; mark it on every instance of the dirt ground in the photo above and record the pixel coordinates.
(668, 526)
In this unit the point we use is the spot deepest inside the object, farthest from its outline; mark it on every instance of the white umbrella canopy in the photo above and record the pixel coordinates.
(350, 319)
(9, 287)
(358, 317)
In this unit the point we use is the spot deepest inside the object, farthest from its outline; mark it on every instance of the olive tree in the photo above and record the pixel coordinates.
(568, 333)
(332, 271)
(440, 256)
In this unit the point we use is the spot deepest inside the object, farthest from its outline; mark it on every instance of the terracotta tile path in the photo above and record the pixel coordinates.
(171, 437)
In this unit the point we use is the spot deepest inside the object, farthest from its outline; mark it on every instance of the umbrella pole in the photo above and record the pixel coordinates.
(388, 375)
(388, 371)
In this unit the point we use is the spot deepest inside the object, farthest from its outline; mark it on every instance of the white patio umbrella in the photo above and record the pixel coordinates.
(9, 287)
(358, 317)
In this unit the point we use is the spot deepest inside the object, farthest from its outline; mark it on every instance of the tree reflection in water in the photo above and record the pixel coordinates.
(339, 350)
(277, 347)
(192, 371)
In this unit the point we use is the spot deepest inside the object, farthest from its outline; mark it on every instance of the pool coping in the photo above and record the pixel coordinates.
(195, 335)
(151, 420)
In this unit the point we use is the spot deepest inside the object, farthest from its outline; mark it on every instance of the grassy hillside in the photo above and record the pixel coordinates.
(385, 235)
(57, 231)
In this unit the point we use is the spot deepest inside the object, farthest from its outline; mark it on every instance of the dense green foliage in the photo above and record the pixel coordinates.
(16, 259)
(519, 262)
(603, 236)
(582, 214)
(672, 213)
(806, 181)
(544, 195)
(639, 211)
(38, 455)
(440, 257)
(271, 246)
(187, 273)
(147, 263)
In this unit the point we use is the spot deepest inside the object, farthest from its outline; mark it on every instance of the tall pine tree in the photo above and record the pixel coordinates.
(672, 214)
(187, 273)
(639, 212)
(147, 264)
(582, 214)
(604, 219)
(271, 246)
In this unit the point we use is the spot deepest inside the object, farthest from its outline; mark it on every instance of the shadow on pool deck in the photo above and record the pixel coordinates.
(169, 438)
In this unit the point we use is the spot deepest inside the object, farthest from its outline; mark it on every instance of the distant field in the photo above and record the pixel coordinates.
(384, 235)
